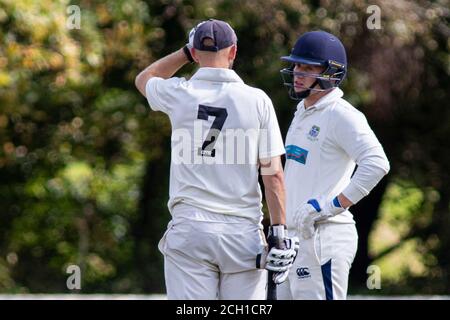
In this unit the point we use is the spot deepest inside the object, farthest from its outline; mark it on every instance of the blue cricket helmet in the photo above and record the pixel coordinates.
(318, 48)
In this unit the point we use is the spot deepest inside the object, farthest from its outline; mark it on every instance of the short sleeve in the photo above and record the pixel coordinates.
(270, 140)
(162, 93)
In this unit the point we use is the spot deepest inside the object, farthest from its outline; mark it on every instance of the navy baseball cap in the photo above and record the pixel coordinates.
(219, 31)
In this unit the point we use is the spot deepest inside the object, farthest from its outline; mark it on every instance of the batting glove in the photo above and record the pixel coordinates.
(312, 211)
(281, 254)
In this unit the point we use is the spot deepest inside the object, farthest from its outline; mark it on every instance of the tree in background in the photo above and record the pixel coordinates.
(84, 164)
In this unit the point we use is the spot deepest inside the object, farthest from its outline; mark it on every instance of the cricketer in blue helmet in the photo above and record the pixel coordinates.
(327, 138)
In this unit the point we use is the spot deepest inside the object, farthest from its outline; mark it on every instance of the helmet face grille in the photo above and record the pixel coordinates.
(317, 48)
(330, 78)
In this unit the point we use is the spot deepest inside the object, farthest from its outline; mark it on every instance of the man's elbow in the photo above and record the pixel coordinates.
(136, 81)
(385, 166)
(381, 168)
(378, 161)
(279, 177)
(274, 181)
(139, 83)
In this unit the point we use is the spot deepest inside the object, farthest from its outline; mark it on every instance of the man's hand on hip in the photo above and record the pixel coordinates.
(312, 211)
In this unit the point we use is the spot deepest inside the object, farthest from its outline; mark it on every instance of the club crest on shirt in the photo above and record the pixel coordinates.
(313, 133)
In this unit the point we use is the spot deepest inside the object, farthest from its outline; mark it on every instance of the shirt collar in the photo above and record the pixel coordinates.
(217, 75)
(334, 94)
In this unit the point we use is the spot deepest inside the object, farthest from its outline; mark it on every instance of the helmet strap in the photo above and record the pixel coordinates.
(304, 94)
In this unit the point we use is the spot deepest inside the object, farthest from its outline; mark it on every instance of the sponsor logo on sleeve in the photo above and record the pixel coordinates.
(296, 153)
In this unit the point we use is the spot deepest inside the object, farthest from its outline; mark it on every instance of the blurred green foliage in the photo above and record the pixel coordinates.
(84, 163)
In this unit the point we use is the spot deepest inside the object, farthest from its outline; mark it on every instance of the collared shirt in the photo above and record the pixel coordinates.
(323, 145)
(221, 127)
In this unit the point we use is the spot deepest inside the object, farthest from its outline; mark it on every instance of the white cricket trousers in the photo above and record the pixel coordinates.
(211, 256)
(322, 266)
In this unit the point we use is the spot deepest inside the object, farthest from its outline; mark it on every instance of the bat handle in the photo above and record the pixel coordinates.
(275, 240)
(271, 287)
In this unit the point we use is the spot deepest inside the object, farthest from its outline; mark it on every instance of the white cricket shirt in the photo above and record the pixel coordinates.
(221, 127)
(323, 145)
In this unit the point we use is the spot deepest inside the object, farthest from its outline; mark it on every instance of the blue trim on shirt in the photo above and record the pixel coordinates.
(336, 203)
(315, 204)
